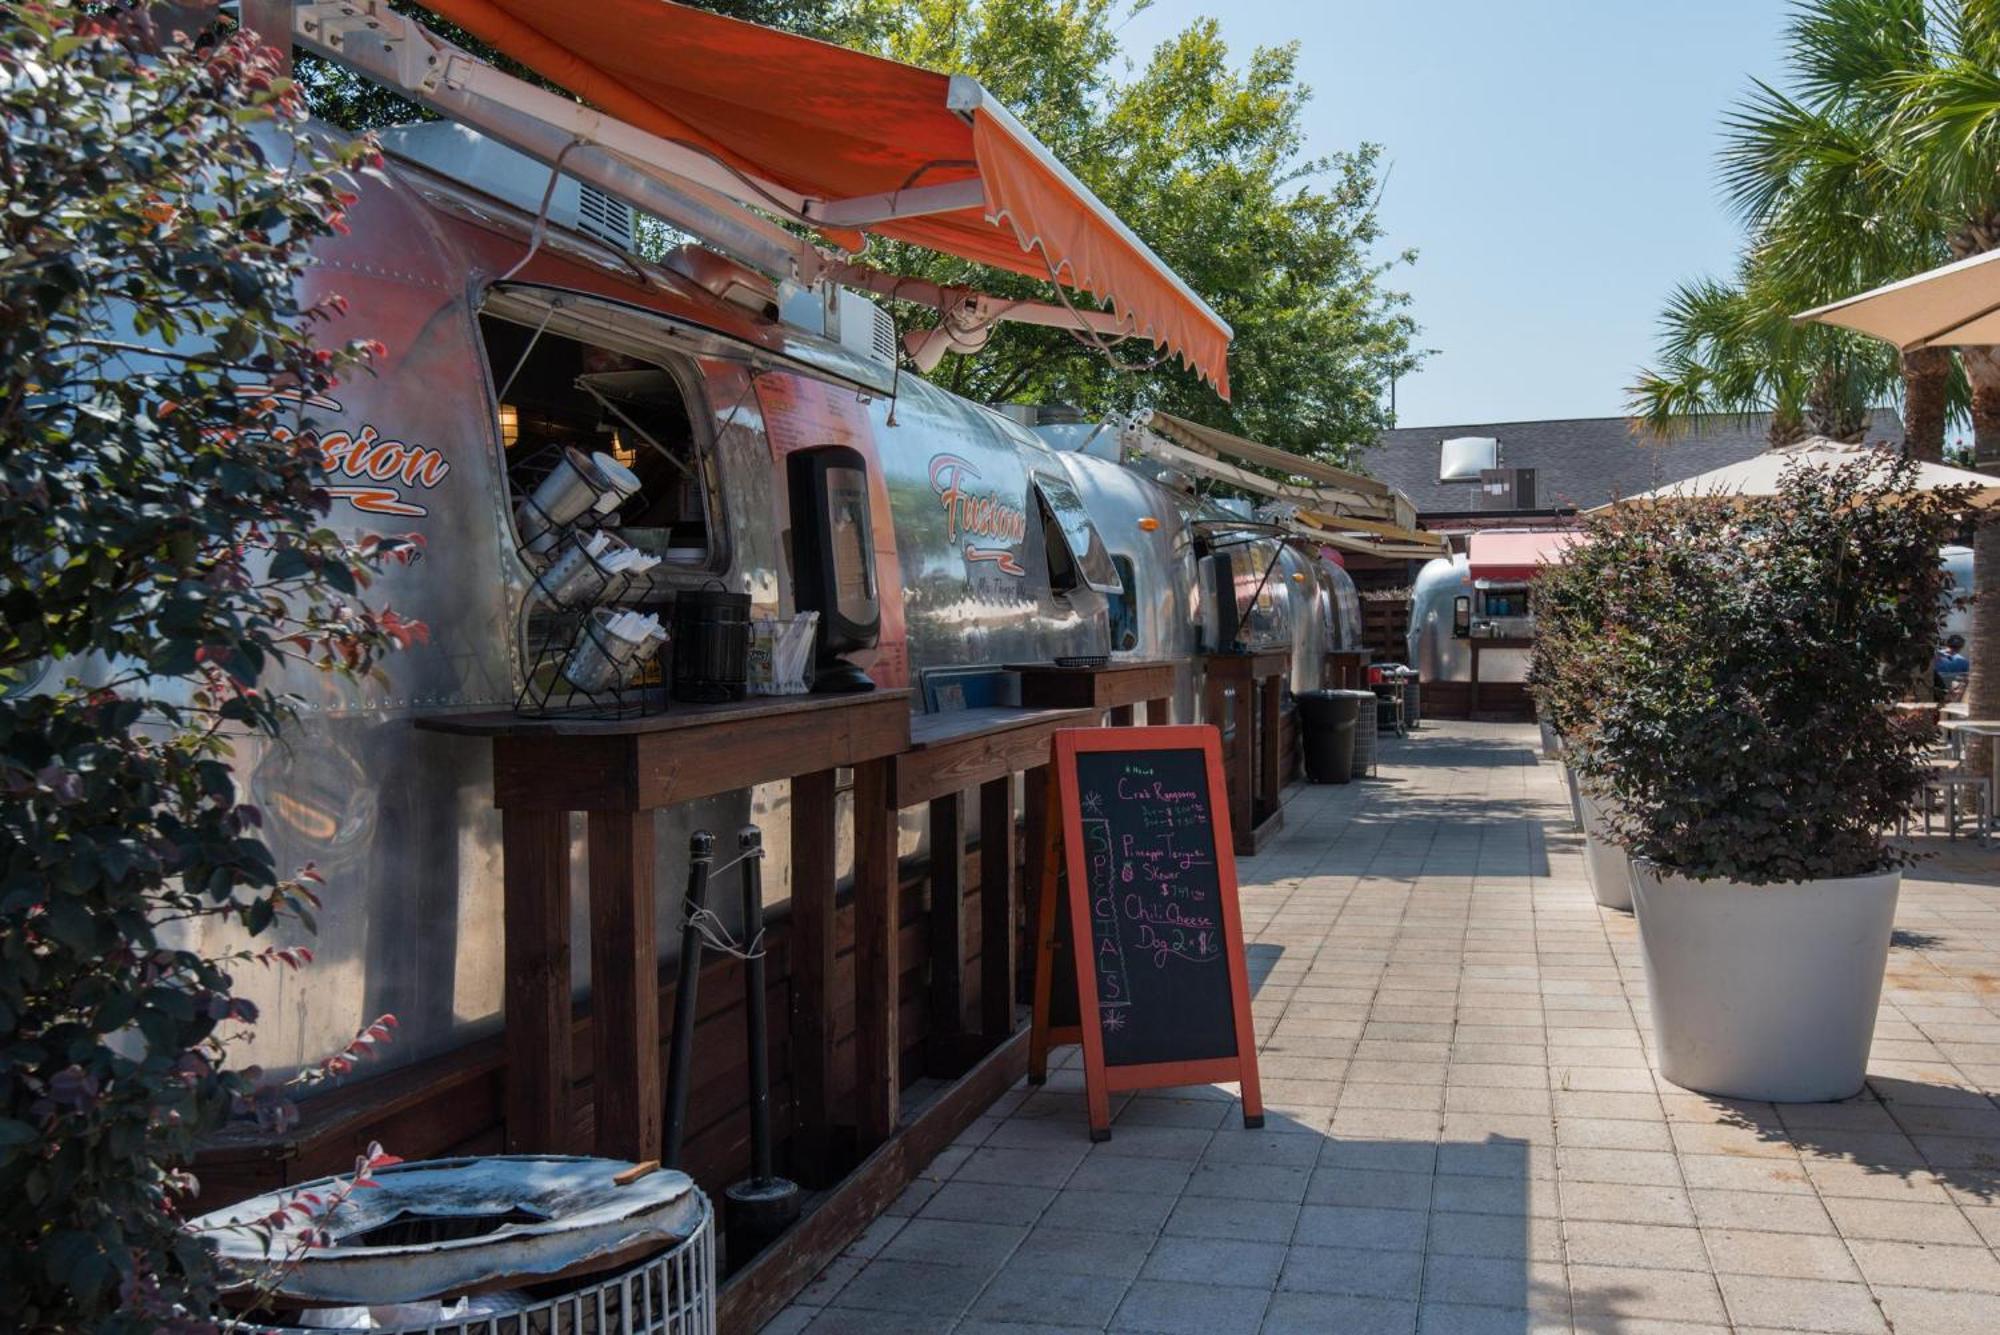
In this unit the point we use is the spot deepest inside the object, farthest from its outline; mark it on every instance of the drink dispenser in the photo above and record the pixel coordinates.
(833, 560)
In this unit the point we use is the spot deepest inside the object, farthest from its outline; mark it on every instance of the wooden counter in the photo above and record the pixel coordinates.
(1116, 686)
(950, 753)
(1479, 646)
(618, 772)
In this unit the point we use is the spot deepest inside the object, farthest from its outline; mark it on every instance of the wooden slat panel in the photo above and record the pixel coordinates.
(997, 932)
(624, 985)
(876, 956)
(813, 1000)
(946, 935)
(536, 892)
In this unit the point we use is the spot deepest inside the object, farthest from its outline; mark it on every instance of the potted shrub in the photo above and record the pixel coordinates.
(1573, 600)
(1747, 657)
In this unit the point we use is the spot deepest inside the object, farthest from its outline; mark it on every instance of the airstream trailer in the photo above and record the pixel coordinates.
(977, 543)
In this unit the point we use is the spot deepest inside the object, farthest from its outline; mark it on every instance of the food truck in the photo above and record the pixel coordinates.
(743, 410)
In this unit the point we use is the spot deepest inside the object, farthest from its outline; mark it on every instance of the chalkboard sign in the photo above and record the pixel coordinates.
(1149, 885)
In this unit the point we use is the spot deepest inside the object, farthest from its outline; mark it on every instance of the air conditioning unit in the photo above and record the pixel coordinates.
(859, 325)
(489, 166)
(1506, 489)
(1464, 458)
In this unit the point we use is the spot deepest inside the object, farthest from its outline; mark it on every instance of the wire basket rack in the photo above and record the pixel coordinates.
(580, 664)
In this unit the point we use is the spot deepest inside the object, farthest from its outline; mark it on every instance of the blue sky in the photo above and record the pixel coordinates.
(1551, 160)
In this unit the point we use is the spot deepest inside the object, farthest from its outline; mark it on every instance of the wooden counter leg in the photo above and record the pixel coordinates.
(1043, 868)
(624, 986)
(996, 909)
(1158, 713)
(1121, 716)
(812, 958)
(1270, 717)
(1238, 772)
(877, 963)
(535, 892)
(1034, 804)
(944, 1049)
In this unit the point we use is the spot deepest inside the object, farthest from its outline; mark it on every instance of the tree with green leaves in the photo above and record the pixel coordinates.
(163, 558)
(1203, 159)
(1207, 162)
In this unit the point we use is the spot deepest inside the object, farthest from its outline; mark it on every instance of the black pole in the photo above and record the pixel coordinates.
(701, 852)
(764, 1205)
(750, 846)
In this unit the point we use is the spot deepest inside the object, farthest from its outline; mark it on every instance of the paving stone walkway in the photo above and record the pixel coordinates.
(1465, 1136)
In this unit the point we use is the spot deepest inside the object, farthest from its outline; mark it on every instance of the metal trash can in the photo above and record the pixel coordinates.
(505, 1229)
(1413, 713)
(1364, 732)
(1326, 728)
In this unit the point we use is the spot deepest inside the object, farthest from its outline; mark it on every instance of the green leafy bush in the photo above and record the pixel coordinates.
(161, 552)
(1723, 670)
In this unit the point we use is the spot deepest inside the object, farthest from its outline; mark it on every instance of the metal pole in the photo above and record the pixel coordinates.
(701, 852)
(764, 1205)
(750, 846)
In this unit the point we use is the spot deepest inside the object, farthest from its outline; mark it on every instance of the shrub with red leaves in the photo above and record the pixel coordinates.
(162, 551)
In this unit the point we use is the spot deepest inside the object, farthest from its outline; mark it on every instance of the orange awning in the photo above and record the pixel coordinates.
(853, 141)
(1514, 557)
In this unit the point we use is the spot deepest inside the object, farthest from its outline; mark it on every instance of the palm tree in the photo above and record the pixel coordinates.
(1823, 174)
(1732, 349)
(1883, 161)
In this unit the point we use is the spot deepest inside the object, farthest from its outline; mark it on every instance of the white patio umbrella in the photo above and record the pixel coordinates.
(1758, 475)
(1957, 305)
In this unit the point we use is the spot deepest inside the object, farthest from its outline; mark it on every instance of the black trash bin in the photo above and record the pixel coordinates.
(1326, 725)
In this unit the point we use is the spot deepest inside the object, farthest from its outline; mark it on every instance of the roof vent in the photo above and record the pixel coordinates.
(1463, 458)
(464, 155)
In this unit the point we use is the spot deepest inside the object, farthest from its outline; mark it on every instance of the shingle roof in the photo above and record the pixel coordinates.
(1580, 461)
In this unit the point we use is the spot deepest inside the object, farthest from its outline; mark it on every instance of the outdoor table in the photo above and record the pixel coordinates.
(1347, 669)
(619, 772)
(948, 754)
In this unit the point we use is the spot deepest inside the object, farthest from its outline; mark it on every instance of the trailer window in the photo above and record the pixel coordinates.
(1123, 607)
(559, 393)
(1077, 555)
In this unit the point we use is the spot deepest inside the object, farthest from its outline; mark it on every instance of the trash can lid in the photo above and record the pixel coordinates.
(524, 1216)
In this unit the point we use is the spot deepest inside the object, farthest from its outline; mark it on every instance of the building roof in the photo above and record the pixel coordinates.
(1581, 462)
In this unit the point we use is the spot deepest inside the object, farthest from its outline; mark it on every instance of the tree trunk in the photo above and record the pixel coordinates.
(1982, 694)
(1926, 380)
(1982, 690)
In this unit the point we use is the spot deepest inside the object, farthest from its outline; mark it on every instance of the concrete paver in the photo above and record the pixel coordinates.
(1465, 1135)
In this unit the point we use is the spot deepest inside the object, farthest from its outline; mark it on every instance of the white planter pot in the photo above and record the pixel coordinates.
(1575, 796)
(1604, 862)
(1552, 746)
(1764, 991)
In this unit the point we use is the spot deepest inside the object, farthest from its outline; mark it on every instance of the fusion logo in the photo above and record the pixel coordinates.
(368, 470)
(982, 520)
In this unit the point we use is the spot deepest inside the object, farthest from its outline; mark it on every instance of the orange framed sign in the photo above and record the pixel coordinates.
(1139, 892)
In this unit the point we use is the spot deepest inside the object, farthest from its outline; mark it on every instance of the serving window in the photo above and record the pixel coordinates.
(559, 388)
(1076, 552)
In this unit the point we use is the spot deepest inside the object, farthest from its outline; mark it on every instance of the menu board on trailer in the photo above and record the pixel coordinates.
(1137, 866)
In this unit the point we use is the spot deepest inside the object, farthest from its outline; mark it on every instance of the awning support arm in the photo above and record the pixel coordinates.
(687, 188)
(916, 202)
